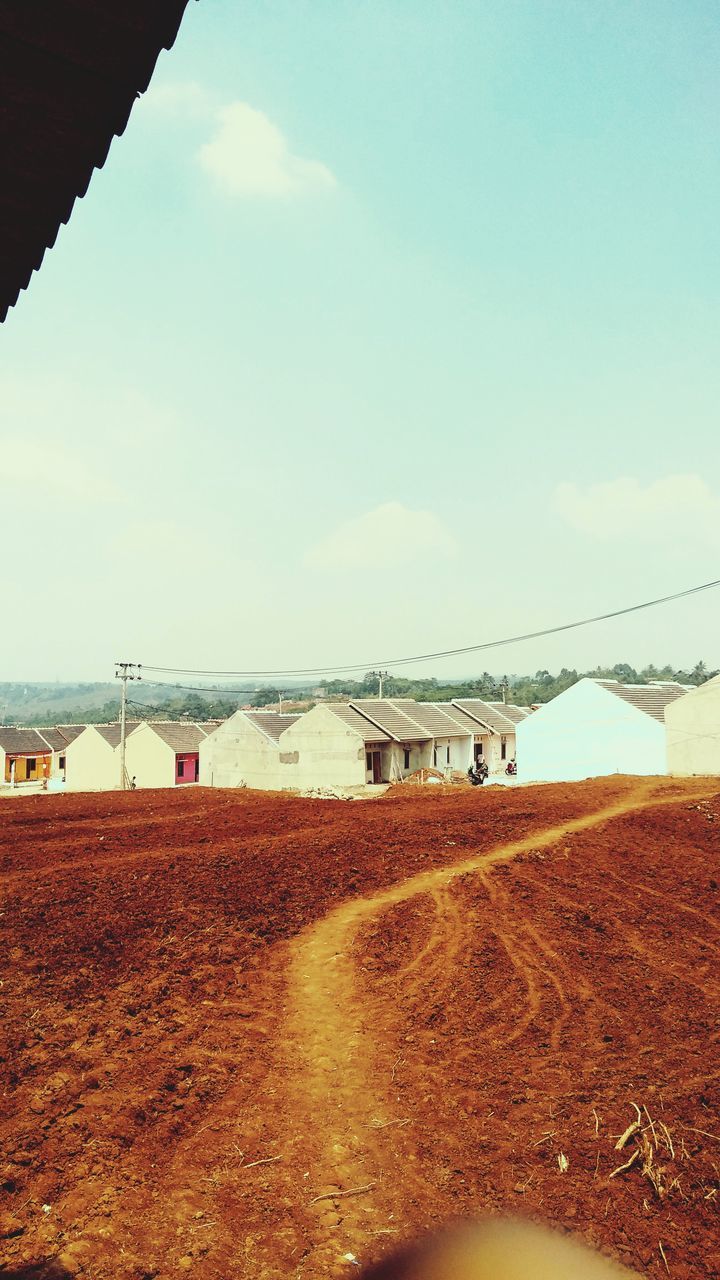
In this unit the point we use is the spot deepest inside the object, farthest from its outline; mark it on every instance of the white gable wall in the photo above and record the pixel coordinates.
(149, 760)
(693, 731)
(91, 764)
(238, 754)
(588, 732)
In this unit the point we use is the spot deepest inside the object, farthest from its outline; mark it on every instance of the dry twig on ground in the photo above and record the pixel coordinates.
(340, 1195)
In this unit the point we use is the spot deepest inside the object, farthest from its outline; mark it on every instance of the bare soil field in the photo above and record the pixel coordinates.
(248, 1035)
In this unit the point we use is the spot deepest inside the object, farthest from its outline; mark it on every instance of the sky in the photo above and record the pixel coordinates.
(388, 327)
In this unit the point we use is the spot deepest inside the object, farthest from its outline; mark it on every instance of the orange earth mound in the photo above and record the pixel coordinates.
(248, 1035)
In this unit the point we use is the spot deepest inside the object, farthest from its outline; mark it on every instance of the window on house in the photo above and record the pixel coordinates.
(61, 762)
(407, 758)
(478, 749)
(447, 754)
(503, 748)
(368, 761)
(31, 765)
(181, 768)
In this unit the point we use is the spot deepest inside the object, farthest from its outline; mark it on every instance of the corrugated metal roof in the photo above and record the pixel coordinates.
(430, 716)
(357, 722)
(650, 698)
(13, 739)
(271, 723)
(70, 71)
(486, 714)
(393, 721)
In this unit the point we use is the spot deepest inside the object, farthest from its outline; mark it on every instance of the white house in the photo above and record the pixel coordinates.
(693, 731)
(92, 760)
(594, 728)
(452, 735)
(165, 753)
(243, 751)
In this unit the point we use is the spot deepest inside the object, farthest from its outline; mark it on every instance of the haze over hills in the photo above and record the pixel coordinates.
(47, 703)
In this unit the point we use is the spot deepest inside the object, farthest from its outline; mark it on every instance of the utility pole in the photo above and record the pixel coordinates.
(123, 671)
(380, 676)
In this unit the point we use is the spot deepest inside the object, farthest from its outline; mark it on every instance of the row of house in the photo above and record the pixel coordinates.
(35, 755)
(87, 757)
(336, 744)
(596, 727)
(358, 743)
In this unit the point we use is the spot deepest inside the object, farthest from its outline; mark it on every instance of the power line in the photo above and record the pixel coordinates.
(445, 653)
(205, 688)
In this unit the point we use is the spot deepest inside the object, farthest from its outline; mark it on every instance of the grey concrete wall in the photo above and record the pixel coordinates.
(320, 751)
(237, 754)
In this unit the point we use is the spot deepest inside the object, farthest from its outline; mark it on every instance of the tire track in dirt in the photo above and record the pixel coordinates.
(338, 1089)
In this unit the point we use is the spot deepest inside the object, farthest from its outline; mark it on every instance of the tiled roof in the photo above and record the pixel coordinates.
(650, 698)
(486, 714)
(111, 732)
(465, 722)
(271, 723)
(392, 720)
(13, 739)
(357, 722)
(430, 716)
(178, 734)
(510, 711)
(54, 738)
(71, 71)
(70, 731)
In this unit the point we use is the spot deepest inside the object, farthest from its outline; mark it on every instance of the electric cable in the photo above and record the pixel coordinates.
(445, 653)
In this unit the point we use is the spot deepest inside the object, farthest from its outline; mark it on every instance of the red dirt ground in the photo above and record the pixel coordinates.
(221, 1006)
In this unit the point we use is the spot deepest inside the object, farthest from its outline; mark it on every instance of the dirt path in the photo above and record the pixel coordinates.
(250, 1037)
(342, 1087)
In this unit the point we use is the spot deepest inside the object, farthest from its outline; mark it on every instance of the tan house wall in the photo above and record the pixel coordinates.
(693, 731)
(91, 764)
(149, 760)
(237, 754)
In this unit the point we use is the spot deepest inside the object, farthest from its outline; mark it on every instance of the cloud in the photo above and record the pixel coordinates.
(37, 469)
(182, 97)
(389, 535)
(249, 156)
(676, 508)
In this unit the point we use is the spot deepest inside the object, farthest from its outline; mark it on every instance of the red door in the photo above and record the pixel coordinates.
(187, 767)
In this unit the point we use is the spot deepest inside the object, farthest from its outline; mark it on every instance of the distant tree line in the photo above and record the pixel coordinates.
(523, 690)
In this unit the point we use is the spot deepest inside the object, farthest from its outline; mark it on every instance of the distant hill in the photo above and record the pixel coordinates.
(31, 703)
